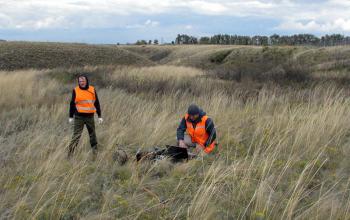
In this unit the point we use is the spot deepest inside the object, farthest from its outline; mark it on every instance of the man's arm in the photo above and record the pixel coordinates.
(97, 105)
(180, 133)
(72, 108)
(210, 129)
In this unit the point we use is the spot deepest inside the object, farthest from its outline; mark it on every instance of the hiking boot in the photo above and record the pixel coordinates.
(94, 153)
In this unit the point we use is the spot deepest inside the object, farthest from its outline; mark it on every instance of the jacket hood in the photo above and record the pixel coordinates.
(201, 115)
(87, 82)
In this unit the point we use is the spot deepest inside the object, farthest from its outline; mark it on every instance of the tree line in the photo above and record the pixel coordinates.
(144, 42)
(297, 39)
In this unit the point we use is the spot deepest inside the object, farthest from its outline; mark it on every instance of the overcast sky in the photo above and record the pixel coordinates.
(112, 21)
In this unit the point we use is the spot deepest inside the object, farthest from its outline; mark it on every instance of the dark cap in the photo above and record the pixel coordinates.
(193, 110)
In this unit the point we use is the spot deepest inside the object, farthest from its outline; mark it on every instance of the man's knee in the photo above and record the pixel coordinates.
(188, 141)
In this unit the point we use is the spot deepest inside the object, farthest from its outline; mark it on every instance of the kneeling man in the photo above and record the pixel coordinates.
(196, 130)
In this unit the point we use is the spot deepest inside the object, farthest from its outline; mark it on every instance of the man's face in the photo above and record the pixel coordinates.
(82, 82)
(194, 117)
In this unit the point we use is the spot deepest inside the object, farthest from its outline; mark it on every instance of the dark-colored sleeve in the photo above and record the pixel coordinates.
(180, 133)
(72, 108)
(97, 105)
(210, 129)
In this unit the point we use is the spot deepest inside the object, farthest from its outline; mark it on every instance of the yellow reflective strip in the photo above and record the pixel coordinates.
(85, 102)
(85, 108)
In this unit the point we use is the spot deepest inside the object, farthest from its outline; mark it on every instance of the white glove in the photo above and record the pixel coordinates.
(70, 120)
(100, 120)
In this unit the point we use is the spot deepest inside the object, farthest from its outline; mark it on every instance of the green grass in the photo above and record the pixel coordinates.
(27, 55)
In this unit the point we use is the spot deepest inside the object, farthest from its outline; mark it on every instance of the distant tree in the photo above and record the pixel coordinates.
(155, 42)
(297, 39)
(234, 39)
(264, 40)
(178, 39)
(150, 42)
(246, 40)
(260, 40)
(274, 39)
(214, 39)
(226, 39)
(337, 39)
(256, 40)
(204, 40)
(193, 40)
(173, 42)
(141, 42)
(347, 40)
(185, 39)
(284, 40)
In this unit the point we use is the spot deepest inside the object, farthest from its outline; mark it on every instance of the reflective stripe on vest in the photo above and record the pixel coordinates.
(199, 134)
(85, 108)
(85, 100)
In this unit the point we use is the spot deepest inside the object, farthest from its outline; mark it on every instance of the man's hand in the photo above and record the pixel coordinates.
(100, 120)
(70, 120)
(198, 149)
(182, 144)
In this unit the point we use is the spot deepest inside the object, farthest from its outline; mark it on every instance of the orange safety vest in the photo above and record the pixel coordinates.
(85, 100)
(198, 134)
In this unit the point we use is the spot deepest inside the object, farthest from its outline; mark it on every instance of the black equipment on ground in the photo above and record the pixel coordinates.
(176, 154)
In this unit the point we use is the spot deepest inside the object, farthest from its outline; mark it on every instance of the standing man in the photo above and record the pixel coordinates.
(200, 131)
(83, 106)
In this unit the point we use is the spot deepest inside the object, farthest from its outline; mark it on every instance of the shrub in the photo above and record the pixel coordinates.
(220, 56)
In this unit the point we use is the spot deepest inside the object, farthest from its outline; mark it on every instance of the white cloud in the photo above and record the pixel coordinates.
(340, 2)
(149, 23)
(337, 25)
(188, 27)
(28, 14)
(209, 8)
(302, 15)
(330, 16)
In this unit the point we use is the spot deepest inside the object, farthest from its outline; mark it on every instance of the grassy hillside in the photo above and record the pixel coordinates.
(208, 56)
(222, 59)
(282, 116)
(26, 55)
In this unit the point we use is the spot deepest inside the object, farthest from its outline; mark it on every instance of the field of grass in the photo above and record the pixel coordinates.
(283, 135)
(25, 55)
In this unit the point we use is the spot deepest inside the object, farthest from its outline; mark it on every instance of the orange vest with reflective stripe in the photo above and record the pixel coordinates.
(198, 134)
(85, 100)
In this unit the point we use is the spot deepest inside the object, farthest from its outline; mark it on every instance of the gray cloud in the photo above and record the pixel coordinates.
(331, 15)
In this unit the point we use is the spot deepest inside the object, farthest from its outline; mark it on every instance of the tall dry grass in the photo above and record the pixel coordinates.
(282, 153)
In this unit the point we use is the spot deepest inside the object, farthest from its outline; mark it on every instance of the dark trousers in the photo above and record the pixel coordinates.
(79, 122)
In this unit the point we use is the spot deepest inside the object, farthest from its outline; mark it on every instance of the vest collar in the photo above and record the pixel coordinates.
(199, 119)
(84, 88)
